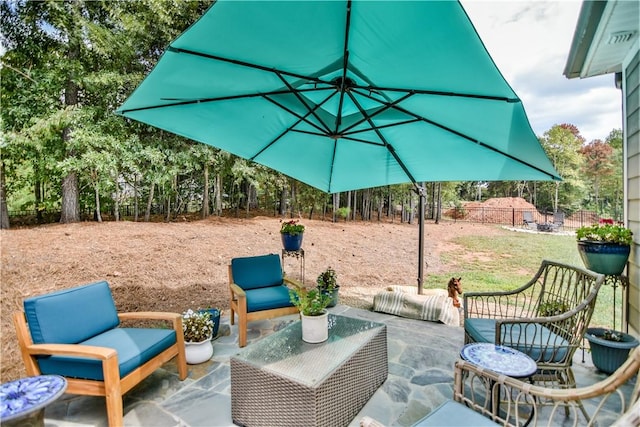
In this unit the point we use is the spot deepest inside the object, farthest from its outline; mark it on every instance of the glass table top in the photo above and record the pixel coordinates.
(285, 354)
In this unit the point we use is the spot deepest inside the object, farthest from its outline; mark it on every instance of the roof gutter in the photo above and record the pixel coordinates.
(588, 21)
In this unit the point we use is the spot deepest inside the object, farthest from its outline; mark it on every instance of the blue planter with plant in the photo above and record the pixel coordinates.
(604, 247)
(291, 242)
(292, 233)
(604, 258)
(609, 349)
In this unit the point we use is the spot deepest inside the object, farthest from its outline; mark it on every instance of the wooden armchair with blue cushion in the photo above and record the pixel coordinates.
(76, 333)
(545, 319)
(258, 291)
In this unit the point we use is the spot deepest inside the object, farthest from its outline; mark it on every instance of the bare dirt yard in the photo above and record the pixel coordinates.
(180, 265)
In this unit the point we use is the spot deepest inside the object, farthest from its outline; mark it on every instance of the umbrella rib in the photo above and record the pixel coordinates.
(345, 62)
(220, 98)
(363, 141)
(404, 122)
(244, 64)
(291, 128)
(303, 118)
(284, 132)
(385, 106)
(388, 146)
(460, 134)
(303, 102)
(308, 132)
(440, 93)
(348, 138)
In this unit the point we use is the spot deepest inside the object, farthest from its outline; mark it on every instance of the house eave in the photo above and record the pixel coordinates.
(586, 28)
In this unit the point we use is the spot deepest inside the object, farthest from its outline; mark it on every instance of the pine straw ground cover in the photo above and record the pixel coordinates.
(180, 265)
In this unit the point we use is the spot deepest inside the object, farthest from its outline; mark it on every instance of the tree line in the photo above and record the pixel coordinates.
(67, 66)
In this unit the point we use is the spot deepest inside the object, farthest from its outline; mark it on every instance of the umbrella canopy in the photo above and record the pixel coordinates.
(344, 95)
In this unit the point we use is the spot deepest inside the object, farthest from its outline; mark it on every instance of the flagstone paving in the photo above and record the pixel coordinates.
(421, 357)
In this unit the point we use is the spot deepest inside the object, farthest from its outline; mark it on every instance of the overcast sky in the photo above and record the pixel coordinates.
(529, 41)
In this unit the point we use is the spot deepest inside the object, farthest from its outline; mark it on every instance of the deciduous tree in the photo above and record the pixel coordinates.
(598, 165)
(563, 143)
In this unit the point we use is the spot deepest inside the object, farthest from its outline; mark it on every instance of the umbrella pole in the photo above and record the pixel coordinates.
(421, 193)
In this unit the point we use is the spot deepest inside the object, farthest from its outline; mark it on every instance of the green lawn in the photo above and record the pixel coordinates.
(506, 262)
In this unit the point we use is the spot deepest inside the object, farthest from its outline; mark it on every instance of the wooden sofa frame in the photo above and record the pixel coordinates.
(113, 387)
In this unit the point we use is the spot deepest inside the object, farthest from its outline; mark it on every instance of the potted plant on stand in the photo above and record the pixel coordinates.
(314, 317)
(604, 247)
(291, 233)
(609, 349)
(198, 331)
(328, 284)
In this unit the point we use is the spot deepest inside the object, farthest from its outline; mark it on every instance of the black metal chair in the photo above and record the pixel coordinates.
(527, 220)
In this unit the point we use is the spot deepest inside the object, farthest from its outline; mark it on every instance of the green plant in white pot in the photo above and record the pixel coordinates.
(312, 304)
(604, 247)
(198, 331)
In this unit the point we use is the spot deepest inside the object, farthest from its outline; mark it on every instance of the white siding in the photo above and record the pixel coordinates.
(632, 145)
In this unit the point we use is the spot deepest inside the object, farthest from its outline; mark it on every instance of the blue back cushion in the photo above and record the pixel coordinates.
(257, 271)
(72, 315)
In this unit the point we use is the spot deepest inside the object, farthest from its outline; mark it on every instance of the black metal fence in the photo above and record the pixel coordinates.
(478, 214)
(515, 217)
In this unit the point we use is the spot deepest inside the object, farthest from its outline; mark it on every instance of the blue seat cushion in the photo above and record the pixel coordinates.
(135, 346)
(454, 414)
(257, 271)
(71, 315)
(268, 298)
(535, 340)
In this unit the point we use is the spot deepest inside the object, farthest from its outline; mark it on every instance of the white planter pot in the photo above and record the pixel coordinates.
(315, 329)
(198, 352)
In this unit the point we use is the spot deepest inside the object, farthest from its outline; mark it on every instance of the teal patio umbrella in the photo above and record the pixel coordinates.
(344, 95)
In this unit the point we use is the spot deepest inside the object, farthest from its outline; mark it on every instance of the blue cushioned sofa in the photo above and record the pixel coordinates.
(76, 333)
(258, 291)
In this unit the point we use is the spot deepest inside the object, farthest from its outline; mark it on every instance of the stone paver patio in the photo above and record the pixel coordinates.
(421, 357)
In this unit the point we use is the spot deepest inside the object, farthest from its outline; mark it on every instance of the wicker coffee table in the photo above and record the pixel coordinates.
(284, 381)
